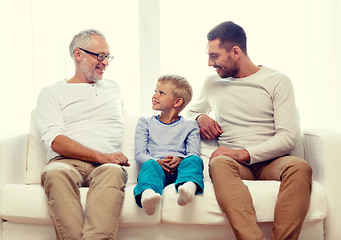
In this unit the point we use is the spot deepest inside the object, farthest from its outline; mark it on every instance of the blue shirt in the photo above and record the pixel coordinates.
(157, 140)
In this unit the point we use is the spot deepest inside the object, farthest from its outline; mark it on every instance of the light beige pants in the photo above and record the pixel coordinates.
(61, 180)
(235, 200)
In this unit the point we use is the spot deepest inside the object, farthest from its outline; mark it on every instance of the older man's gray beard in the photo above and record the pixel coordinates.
(89, 73)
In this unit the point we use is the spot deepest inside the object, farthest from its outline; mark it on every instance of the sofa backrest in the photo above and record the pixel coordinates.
(36, 157)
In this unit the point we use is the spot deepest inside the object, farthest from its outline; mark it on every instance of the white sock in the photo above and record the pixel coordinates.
(186, 193)
(149, 201)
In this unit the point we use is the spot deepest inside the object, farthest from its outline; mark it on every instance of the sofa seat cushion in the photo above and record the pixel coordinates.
(28, 204)
(205, 210)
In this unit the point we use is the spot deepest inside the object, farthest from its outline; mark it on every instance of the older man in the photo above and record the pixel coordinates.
(80, 121)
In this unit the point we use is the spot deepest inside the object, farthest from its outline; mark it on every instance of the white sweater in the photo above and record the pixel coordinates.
(257, 113)
(90, 114)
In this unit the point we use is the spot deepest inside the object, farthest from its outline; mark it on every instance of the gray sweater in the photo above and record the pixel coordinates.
(257, 113)
(156, 140)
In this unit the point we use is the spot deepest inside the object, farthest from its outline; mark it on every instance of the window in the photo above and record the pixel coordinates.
(153, 37)
(298, 38)
(54, 25)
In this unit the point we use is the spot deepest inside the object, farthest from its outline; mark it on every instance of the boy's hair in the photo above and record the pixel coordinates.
(229, 34)
(181, 88)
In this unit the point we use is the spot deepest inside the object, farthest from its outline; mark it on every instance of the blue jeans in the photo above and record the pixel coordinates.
(152, 176)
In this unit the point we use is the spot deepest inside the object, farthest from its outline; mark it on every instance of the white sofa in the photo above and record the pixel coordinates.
(24, 214)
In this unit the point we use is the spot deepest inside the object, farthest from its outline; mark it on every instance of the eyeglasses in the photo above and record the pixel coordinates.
(100, 56)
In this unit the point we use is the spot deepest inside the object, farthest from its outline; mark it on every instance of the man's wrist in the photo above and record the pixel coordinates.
(197, 117)
(97, 157)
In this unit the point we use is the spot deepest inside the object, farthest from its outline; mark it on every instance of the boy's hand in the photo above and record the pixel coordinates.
(164, 164)
(170, 163)
(174, 163)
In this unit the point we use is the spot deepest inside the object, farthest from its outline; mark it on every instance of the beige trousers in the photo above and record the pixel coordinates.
(61, 180)
(235, 200)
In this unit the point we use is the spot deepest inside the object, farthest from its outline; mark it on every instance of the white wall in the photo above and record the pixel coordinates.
(16, 68)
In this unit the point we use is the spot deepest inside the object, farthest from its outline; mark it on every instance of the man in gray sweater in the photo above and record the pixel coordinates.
(258, 133)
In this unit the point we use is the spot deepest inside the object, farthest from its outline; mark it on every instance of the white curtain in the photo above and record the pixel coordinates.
(297, 37)
(35, 35)
(300, 38)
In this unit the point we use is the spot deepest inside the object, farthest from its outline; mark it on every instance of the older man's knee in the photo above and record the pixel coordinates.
(111, 171)
(57, 171)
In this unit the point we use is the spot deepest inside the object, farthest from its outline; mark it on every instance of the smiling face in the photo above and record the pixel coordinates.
(223, 61)
(91, 68)
(163, 98)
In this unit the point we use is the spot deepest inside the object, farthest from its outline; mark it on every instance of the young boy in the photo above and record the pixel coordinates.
(167, 147)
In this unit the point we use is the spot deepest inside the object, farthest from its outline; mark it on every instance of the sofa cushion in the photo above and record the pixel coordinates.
(28, 204)
(205, 210)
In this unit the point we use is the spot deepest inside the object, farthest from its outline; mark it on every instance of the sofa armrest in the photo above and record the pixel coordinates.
(13, 152)
(322, 151)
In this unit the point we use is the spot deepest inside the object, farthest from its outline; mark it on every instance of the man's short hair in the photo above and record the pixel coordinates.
(181, 88)
(82, 39)
(229, 34)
